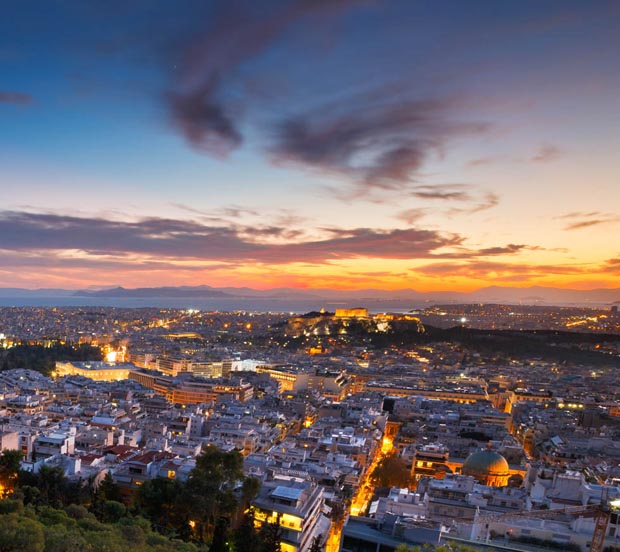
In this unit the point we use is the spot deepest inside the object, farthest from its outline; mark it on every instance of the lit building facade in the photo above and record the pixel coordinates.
(298, 506)
(95, 370)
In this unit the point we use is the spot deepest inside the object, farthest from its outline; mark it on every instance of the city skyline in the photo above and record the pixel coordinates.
(343, 144)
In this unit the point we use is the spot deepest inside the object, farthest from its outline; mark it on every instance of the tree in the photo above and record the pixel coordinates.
(391, 471)
(219, 543)
(51, 481)
(113, 511)
(19, 533)
(10, 464)
(249, 490)
(108, 489)
(246, 538)
(271, 536)
(166, 503)
(211, 488)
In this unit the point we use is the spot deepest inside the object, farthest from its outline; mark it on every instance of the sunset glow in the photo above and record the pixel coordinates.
(343, 144)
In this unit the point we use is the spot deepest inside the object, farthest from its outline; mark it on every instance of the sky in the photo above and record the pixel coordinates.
(345, 144)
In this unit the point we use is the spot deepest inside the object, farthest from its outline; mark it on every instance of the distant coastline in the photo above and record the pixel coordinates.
(216, 304)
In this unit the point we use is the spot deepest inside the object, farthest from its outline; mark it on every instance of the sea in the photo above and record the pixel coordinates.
(222, 304)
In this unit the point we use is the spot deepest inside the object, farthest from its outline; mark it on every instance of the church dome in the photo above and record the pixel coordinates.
(484, 463)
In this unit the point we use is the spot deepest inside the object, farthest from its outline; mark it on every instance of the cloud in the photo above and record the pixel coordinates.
(579, 214)
(508, 249)
(59, 260)
(379, 141)
(179, 239)
(16, 98)
(488, 200)
(200, 105)
(411, 215)
(442, 192)
(587, 224)
(612, 265)
(206, 124)
(492, 270)
(468, 253)
(547, 153)
(580, 220)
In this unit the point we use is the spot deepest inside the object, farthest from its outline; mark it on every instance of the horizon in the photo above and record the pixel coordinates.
(344, 145)
(108, 287)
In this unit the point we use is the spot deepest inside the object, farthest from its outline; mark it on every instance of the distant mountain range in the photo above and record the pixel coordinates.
(535, 295)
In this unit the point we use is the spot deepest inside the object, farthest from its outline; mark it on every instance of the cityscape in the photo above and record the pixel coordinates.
(309, 276)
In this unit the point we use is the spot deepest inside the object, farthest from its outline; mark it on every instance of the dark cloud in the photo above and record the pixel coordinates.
(452, 192)
(178, 239)
(380, 141)
(507, 250)
(467, 253)
(16, 98)
(204, 122)
(200, 107)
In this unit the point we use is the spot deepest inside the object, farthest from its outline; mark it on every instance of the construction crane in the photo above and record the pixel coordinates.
(600, 528)
(601, 512)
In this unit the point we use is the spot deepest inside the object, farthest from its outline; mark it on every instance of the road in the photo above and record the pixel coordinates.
(360, 501)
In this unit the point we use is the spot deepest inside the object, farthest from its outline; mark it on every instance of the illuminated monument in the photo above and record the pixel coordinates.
(487, 467)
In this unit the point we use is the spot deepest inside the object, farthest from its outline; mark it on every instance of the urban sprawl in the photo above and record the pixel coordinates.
(493, 427)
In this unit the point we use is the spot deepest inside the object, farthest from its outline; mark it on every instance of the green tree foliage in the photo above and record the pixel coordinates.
(43, 359)
(51, 484)
(24, 529)
(211, 489)
(391, 471)
(54, 514)
(9, 468)
(166, 502)
(19, 533)
(108, 490)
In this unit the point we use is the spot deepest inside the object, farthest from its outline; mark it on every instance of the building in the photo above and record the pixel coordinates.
(95, 370)
(191, 390)
(361, 534)
(430, 461)
(487, 467)
(357, 312)
(298, 506)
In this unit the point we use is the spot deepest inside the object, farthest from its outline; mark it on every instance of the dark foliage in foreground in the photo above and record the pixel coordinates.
(48, 513)
(43, 359)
